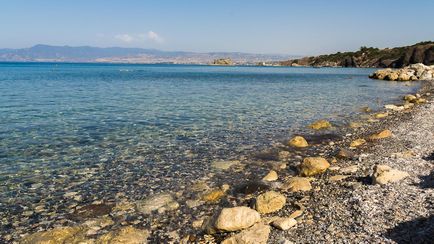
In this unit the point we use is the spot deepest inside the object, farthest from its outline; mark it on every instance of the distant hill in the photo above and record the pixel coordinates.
(47, 53)
(397, 57)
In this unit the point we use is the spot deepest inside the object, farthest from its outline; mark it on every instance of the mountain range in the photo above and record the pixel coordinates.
(48, 53)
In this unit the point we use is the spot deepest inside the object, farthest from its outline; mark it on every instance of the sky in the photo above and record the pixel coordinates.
(289, 27)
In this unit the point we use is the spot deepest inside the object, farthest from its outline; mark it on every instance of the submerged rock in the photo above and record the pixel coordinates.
(213, 196)
(384, 174)
(60, 235)
(160, 202)
(298, 141)
(224, 165)
(270, 202)
(320, 124)
(257, 234)
(313, 166)
(125, 235)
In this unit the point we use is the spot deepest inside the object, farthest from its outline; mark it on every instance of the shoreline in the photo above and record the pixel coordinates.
(248, 185)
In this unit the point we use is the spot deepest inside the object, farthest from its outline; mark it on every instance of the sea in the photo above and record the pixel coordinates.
(73, 134)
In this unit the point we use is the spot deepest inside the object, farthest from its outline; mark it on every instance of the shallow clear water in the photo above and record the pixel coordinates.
(102, 129)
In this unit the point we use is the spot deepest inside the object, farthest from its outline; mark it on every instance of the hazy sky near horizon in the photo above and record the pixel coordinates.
(275, 26)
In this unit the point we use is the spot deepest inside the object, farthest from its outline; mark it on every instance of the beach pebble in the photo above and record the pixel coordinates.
(284, 223)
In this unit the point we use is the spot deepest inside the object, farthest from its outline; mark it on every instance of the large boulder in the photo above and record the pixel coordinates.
(313, 166)
(269, 202)
(232, 219)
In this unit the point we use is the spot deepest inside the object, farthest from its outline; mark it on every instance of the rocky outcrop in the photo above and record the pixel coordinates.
(412, 72)
(223, 61)
(397, 57)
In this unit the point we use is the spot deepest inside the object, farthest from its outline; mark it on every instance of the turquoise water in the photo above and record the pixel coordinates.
(102, 129)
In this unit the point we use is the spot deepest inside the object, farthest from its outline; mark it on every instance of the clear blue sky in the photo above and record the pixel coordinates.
(273, 26)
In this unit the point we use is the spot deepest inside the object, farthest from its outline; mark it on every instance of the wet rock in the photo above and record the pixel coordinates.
(357, 142)
(57, 235)
(160, 202)
(381, 135)
(252, 187)
(298, 141)
(271, 176)
(270, 202)
(384, 174)
(224, 165)
(94, 225)
(295, 184)
(257, 234)
(320, 125)
(125, 235)
(232, 219)
(284, 223)
(313, 166)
